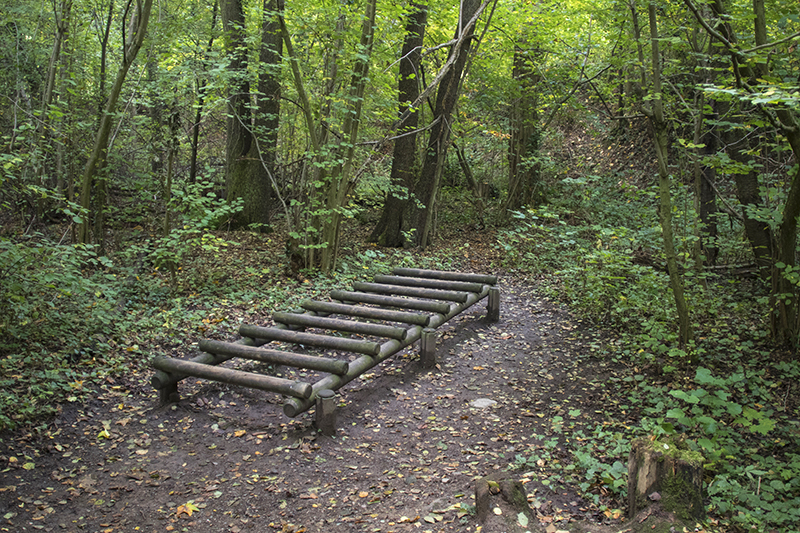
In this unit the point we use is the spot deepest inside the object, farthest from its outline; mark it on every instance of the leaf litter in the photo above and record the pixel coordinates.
(410, 442)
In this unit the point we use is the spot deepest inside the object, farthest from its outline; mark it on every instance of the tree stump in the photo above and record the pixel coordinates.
(501, 505)
(666, 472)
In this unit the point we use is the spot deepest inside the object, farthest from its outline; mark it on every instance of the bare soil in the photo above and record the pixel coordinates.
(409, 446)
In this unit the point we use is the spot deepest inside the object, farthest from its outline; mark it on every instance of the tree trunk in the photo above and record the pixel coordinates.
(97, 159)
(269, 91)
(436, 150)
(201, 99)
(747, 186)
(389, 229)
(341, 181)
(706, 197)
(45, 135)
(661, 141)
(245, 175)
(523, 170)
(748, 194)
(784, 292)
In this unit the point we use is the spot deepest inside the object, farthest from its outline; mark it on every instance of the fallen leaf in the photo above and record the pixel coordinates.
(187, 508)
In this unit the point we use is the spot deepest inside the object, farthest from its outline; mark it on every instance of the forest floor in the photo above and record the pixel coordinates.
(409, 445)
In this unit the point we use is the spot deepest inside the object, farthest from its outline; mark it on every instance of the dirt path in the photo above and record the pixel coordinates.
(409, 445)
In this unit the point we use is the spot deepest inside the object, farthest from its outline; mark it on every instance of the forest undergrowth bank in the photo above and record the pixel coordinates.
(77, 322)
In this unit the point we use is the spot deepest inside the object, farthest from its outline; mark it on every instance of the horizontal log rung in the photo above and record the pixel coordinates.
(296, 360)
(335, 324)
(429, 306)
(430, 283)
(418, 319)
(310, 339)
(446, 275)
(436, 294)
(296, 389)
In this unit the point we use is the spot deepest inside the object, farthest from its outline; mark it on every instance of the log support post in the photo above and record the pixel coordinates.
(427, 348)
(493, 307)
(326, 412)
(169, 394)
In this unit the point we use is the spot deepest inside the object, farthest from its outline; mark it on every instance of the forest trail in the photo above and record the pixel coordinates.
(409, 443)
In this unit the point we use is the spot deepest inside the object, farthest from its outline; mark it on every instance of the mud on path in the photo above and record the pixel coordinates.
(409, 445)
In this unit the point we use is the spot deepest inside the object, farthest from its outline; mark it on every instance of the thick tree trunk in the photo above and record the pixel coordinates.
(247, 165)
(747, 192)
(389, 229)
(436, 151)
(269, 90)
(784, 292)
(747, 185)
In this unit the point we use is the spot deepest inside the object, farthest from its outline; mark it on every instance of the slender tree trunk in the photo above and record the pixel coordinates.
(436, 151)
(45, 137)
(785, 324)
(97, 159)
(341, 182)
(705, 198)
(661, 141)
(201, 100)
(523, 171)
(389, 230)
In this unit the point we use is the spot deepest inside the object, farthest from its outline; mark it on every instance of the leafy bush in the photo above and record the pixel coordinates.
(200, 213)
(56, 309)
(599, 244)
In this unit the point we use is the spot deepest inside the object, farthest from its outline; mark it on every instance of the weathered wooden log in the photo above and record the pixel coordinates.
(293, 406)
(435, 294)
(445, 274)
(167, 380)
(296, 389)
(493, 306)
(404, 317)
(668, 473)
(311, 362)
(335, 324)
(392, 301)
(447, 285)
(310, 339)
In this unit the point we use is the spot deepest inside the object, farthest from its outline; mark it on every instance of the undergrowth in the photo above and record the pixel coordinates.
(72, 320)
(737, 406)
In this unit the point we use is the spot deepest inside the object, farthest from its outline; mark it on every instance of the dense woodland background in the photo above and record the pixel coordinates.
(169, 167)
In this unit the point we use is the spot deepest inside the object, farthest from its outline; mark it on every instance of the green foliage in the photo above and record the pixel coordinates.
(597, 243)
(56, 309)
(747, 447)
(201, 213)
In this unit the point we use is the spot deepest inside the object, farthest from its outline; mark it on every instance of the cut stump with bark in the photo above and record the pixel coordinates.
(502, 505)
(665, 471)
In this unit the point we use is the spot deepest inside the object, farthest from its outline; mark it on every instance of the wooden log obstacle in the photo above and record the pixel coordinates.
(417, 300)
